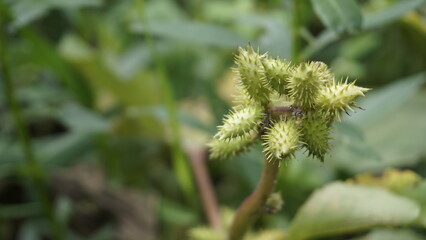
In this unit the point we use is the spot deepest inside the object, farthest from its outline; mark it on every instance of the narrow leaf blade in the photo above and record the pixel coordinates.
(391, 13)
(339, 15)
(193, 32)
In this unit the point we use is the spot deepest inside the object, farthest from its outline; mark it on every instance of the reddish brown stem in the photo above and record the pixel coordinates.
(281, 109)
(252, 207)
(205, 186)
(287, 110)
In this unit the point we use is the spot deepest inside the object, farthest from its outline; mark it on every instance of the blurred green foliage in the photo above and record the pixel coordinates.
(132, 87)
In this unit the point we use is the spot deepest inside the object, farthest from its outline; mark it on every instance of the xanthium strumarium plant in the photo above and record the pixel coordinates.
(286, 106)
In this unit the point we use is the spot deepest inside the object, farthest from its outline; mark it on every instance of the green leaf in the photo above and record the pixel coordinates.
(75, 3)
(339, 15)
(397, 138)
(83, 126)
(26, 11)
(131, 92)
(275, 31)
(390, 14)
(80, 119)
(64, 149)
(193, 32)
(418, 194)
(44, 53)
(23, 210)
(321, 41)
(392, 126)
(343, 208)
(391, 234)
(405, 183)
(160, 113)
(381, 103)
(349, 143)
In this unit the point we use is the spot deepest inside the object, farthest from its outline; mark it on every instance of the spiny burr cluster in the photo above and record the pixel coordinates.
(286, 106)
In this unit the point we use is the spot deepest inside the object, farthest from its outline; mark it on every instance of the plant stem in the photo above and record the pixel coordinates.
(205, 187)
(252, 207)
(38, 176)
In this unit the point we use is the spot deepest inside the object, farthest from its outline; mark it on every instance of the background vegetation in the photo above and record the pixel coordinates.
(106, 106)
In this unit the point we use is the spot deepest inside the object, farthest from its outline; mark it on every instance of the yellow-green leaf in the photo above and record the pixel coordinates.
(342, 208)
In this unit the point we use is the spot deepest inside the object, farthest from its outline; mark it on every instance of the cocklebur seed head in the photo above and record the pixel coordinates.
(252, 74)
(288, 107)
(241, 98)
(305, 82)
(316, 134)
(277, 73)
(281, 140)
(336, 98)
(229, 147)
(240, 122)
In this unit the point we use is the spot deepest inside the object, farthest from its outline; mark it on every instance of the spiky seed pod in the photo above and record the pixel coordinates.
(305, 82)
(242, 99)
(316, 134)
(252, 74)
(277, 72)
(292, 106)
(240, 122)
(229, 147)
(274, 203)
(338, 97)
(281, 140)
